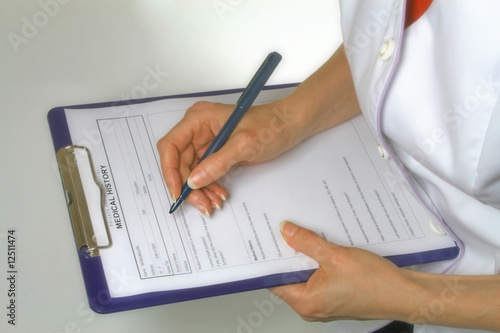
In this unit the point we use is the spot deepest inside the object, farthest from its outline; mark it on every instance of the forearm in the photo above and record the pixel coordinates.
(325, 99)
(457, 301)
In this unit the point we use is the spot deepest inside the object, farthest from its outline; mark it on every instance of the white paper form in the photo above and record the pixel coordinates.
(334, 183)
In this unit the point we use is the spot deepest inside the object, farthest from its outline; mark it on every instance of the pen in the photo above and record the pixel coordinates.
(244, 102)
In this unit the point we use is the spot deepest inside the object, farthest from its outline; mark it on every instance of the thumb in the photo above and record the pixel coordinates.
(307, 242)
(210, 170)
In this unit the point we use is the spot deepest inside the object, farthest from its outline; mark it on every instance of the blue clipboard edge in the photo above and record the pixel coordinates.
(95, 282)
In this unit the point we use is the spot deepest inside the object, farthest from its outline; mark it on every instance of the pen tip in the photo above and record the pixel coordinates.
(174, 206)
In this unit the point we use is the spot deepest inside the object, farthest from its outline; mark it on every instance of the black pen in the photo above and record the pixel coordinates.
(244, 102)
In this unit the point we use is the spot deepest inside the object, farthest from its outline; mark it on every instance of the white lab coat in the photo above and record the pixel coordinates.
(430, 92)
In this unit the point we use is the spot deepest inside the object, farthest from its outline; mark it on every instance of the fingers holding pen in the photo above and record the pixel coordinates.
(207, 194)
(204, 198)
(207, 197)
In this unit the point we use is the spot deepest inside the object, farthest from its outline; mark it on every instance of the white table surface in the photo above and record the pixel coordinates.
(61, 52)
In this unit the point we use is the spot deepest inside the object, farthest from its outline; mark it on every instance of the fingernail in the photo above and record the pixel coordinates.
(203, 210)
(216, 206)
(200, 177)
(288, 228)
(172, 195)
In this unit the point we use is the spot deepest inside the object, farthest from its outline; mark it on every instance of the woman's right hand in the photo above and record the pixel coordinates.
(264, 132)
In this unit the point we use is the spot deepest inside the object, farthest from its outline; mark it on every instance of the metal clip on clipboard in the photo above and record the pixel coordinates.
(80, 184)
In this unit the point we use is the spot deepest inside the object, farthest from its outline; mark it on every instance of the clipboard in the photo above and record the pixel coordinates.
(94, 277)
(85, 200)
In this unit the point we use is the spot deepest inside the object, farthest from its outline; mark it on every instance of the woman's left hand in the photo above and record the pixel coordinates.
(350, 283)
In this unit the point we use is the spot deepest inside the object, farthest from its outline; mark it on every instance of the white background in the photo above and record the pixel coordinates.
(77, 52)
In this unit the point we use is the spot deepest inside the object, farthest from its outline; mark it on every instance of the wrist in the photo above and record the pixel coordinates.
(421, 295)
(326, 98)
(404, 296)
(292, 110)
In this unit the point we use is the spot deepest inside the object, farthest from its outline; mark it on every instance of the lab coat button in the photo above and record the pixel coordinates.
(437, 228)
(387, 49)
(383, 153)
